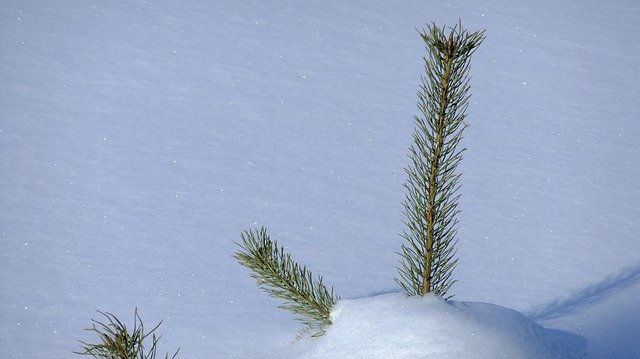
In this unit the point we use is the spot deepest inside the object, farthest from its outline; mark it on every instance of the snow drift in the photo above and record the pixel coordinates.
(396, 326)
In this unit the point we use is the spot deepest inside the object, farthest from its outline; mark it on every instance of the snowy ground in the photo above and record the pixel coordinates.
(139, 138)
(394, 326)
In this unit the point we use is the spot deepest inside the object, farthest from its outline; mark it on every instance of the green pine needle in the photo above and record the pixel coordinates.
(431, 203)
(283, 278)
(118, 342)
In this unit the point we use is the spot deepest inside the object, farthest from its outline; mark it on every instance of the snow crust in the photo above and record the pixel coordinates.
(396, 326)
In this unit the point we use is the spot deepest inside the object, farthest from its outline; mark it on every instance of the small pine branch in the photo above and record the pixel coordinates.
(117, 342)
(283, 278)
(431, 203)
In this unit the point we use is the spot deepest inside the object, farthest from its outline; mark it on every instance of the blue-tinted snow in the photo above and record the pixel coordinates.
(137, 139)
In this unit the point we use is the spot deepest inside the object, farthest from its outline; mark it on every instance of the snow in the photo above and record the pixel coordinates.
(396, 326)
(138, 139)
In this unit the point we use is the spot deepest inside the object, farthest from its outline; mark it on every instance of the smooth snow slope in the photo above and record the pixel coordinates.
(396, 326)
(139, 138)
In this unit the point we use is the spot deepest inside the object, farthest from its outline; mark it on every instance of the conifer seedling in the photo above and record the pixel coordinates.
(119, 342)
(431, 203)
(283, 278)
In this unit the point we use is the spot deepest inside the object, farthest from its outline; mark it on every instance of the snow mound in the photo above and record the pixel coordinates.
(396, 326)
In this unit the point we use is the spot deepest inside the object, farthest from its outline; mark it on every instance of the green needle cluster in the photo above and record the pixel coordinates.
(118, 342)
(283, 278)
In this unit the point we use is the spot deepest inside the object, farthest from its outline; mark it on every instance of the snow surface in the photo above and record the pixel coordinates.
(396, 326)
(139, 138)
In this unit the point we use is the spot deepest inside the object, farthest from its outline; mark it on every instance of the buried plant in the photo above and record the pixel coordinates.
(431, 202)
(117, 342)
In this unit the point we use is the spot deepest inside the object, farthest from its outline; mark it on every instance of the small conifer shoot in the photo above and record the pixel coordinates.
(431, 202)
(118, 342)
(283, 278)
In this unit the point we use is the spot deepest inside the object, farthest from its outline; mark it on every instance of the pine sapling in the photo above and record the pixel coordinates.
(431, 202)
(283, 278)
(118, 342)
